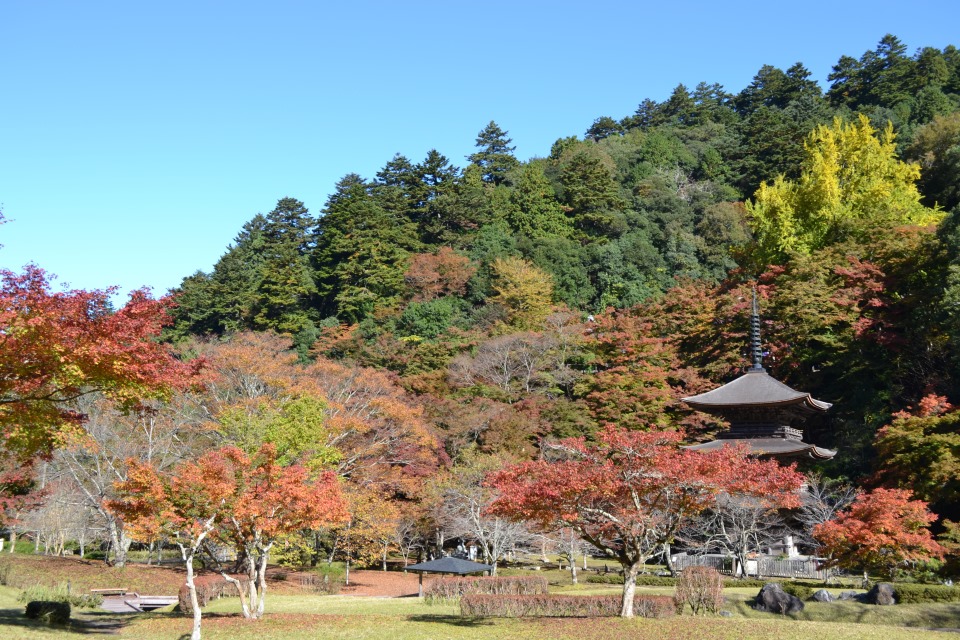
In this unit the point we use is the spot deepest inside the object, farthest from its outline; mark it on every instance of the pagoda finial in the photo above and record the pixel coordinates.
(756, 351)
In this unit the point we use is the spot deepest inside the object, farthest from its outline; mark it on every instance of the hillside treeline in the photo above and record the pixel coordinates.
(520, 300)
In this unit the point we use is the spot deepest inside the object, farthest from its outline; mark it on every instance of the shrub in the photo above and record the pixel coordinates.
(6, 567)
(701, 588)
(925, 593)
(53, 612)
(546, 605)
(443, 589)
(209, 588)
(60, 593)
(799, 589)
(329, 579)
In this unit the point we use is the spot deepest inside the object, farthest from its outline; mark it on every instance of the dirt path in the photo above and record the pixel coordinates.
(391, 584)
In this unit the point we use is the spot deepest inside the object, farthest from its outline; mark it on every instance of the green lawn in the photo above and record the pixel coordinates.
(360, 618)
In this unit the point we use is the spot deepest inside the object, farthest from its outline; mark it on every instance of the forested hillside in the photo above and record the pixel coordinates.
(506, 301)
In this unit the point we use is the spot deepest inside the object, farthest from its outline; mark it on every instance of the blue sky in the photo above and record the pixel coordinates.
(136, 138)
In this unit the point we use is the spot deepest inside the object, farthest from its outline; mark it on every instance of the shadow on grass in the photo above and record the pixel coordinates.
(452, 620)
(89, 623)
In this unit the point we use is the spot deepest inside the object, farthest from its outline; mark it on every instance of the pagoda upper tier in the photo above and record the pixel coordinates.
(760, 411)
(763, 413)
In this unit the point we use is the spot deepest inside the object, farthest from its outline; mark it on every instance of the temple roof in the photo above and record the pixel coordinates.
(756, 388)
(779, 447)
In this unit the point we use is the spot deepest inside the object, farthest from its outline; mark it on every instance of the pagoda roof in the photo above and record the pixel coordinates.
(756, 388)
(779, 447)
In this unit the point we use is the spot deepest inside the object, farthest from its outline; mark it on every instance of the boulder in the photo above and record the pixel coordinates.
(774, 599)
(849, 595)
(822, 596)
(882, 593)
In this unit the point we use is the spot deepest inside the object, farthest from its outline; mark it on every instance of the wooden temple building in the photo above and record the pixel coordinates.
(763, 412)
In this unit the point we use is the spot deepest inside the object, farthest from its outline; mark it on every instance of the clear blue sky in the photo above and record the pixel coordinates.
(136, 138)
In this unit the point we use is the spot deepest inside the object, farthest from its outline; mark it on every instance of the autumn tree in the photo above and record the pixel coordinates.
(920, 451)
(184, 506)
(881, 532)
(851, 183)
(629, 493)
(159, 434)
(466, 500)
(267, 501)
(58, 346)
(525, 290)
(367, 535)
(444, 273)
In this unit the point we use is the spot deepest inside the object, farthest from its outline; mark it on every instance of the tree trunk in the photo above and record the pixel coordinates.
(629, 588)
(13, 539)
(668, 559)
(194, 601)
(261, 583)
(120, 544)
(244, 606)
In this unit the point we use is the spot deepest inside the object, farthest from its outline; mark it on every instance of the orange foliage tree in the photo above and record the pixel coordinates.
(630, 492)
(57, 346)
(882, 531)
(249, 501)
(269, 501)
(184, 506)
(382, 436)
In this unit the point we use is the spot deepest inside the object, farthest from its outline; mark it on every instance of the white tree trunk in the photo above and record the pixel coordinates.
(194, 601)
(629, 589)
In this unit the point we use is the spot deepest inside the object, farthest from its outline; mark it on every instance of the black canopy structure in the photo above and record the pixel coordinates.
(763, 412)
(455, 566)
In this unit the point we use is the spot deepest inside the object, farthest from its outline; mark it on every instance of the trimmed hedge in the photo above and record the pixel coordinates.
(450, 588)
(545, 605)
(209, 588)
(52, 611)
(907, 593)
(642, 581)
(667, 581)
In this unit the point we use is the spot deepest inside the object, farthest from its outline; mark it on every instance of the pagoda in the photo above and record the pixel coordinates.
(763, 413)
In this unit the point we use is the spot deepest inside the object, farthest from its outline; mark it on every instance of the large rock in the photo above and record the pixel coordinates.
(822, 595)
(774, 599)
(882, 593)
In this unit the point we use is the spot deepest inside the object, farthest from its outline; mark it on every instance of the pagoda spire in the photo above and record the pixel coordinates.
(756, 350)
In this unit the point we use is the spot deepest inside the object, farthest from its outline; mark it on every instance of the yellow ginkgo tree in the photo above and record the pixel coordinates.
(851, 183)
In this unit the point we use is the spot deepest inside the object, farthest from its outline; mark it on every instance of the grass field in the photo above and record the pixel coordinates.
(361, 618)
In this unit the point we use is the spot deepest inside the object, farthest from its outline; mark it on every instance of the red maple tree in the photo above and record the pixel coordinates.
(882, 531)
(630, 492)
(56, 346)
(268, 501)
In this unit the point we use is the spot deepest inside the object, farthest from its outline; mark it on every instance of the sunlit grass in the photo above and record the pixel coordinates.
(363, 618)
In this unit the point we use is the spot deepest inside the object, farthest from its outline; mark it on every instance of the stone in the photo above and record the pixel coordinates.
(726, 614)
(774, 599)
(849, 595)
(882, 594)
(822, 595)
